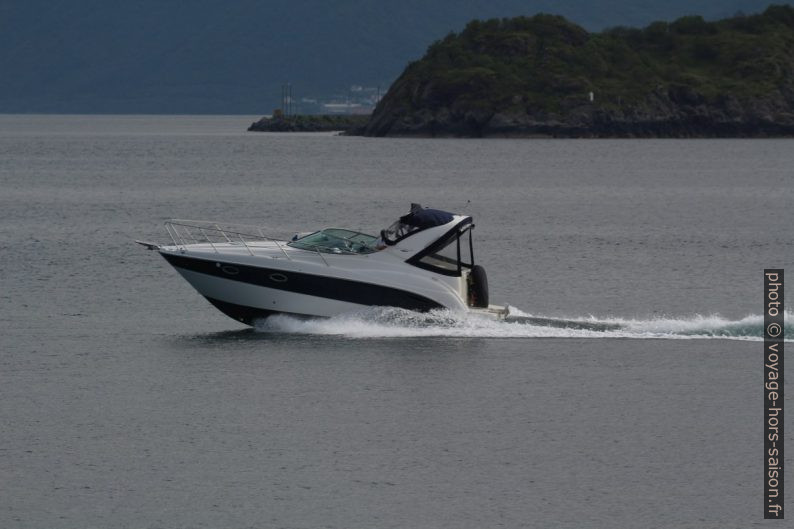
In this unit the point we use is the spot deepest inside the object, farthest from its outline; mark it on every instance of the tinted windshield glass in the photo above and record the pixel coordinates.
(336, 240)
(397, 231)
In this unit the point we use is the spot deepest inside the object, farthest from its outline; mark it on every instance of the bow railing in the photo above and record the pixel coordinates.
(186, 232)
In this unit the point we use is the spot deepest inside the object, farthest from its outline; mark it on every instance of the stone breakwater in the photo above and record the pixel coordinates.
(320, 123)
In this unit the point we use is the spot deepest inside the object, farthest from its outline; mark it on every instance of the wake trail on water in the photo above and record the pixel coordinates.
(385, 322)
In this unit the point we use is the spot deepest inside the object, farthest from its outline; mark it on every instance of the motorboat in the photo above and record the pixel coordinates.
(423, 261)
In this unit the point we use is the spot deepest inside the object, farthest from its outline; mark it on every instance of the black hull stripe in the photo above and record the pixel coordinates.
(312, 285)
(245, 314)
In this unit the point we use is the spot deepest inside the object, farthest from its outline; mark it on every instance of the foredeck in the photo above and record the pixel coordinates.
(208, 237)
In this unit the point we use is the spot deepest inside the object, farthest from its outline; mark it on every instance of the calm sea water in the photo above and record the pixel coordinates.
(128, 401)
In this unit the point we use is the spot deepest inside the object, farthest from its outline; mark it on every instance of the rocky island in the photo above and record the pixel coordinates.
(545, 76)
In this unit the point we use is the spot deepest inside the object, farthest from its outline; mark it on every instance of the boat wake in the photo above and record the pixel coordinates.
(383, 322)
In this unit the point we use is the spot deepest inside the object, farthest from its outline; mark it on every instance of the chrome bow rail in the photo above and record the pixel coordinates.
(185, 232)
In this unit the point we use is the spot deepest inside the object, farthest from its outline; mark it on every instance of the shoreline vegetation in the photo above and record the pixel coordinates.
(544, 76)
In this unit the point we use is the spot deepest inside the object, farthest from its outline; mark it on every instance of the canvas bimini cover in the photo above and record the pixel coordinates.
(417, 220)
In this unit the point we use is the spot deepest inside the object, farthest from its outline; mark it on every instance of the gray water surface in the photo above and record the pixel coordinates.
(128, 401)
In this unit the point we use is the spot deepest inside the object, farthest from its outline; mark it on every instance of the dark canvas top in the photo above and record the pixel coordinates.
(424, 218)
(417, 220)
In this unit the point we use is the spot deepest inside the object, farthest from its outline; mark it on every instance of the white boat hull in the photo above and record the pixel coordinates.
(245, 291)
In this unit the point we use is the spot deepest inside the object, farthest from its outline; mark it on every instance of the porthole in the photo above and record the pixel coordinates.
(230, 270)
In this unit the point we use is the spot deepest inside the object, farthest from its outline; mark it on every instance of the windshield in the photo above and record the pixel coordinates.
(336, 240)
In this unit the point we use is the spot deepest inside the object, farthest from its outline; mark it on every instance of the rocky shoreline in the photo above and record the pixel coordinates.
(671, 113)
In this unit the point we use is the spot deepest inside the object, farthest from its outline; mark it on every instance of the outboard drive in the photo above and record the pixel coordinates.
(478, 287)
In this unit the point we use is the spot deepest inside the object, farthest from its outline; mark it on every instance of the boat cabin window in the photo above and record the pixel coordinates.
(448, 255)
(336, 240)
